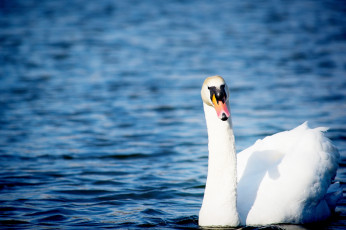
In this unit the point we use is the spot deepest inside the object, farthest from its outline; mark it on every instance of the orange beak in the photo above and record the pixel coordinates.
(221, 109)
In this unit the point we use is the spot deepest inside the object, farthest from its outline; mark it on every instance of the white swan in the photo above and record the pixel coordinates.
(283, 178)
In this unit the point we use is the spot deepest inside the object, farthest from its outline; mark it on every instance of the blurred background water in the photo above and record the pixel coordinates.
(101, 121)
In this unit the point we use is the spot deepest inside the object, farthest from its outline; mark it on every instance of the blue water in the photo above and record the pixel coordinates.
(101, 121)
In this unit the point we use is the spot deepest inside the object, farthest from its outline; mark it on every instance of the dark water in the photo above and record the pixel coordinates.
(101, 121)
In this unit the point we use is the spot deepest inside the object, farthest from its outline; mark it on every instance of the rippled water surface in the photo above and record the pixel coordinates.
(101, 121)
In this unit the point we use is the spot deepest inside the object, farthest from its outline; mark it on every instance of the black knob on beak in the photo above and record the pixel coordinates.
(220, 95)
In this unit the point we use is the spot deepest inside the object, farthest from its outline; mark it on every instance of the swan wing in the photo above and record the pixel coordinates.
(284, 178)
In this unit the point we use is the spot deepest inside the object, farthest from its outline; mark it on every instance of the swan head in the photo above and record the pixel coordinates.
(215, 93)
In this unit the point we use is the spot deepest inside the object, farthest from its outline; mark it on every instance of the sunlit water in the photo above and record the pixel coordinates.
(101, 121)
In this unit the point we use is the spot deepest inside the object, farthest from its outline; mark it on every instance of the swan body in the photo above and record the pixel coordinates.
(283, 178)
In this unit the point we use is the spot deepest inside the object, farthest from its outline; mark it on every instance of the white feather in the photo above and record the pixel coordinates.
(284, 177)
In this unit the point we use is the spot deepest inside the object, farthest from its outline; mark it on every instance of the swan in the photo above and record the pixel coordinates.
(283, 178)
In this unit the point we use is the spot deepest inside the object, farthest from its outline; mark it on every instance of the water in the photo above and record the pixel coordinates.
(101, 121)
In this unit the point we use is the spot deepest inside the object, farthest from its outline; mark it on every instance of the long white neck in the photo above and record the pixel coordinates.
(219, 206)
